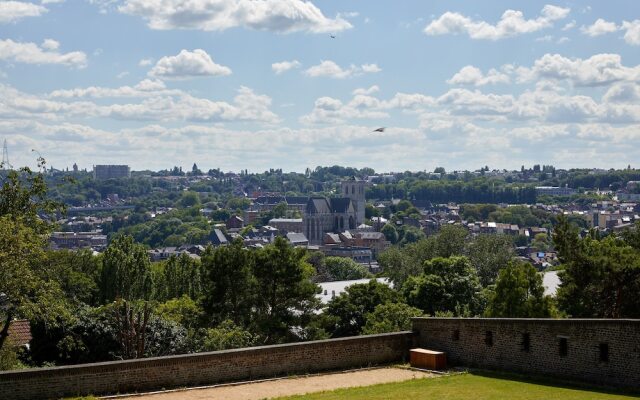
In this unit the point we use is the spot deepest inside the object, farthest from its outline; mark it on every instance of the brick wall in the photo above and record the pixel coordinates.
(205, 368)
(584, 343)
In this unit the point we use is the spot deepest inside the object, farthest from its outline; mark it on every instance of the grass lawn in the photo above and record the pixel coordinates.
(467, 387)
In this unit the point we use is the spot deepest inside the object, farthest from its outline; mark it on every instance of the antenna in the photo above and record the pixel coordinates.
(5, 157)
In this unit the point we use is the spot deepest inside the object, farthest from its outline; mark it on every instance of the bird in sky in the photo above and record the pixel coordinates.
(379, 129)
(332, 36)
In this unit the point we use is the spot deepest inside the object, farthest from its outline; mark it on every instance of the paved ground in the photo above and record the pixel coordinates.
(291, 386)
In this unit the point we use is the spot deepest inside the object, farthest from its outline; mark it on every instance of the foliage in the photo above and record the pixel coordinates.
(181, 275)
(447, 284)
(342, 269)
(184, 311)
(350, 308)
(225, 336)
(286, 296)
(229, 283)
(519, 293)
(390, 317)
(126, 271)
(489, 253)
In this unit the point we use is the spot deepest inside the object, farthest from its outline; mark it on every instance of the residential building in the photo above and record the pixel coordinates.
(101, 172)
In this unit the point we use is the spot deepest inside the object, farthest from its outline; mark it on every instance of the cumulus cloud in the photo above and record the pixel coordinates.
(366, 91)
(622, 93)
(145, 88)
(328, 68)
(600, 27)
(512, 23)
(597, 70)
(282, 16)
(188, 64)
(12, 11)
(632, 34)
(145, 62)
(31, 53)
(470, 75)
(284, 66)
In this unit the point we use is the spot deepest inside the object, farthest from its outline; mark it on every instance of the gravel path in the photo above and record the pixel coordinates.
(290, 386)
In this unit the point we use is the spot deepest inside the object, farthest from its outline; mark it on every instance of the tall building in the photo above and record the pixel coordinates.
(354, 189)
(323, 215)
(101, 172)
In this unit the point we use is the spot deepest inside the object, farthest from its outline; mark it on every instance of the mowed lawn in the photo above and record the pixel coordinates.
(465, 387)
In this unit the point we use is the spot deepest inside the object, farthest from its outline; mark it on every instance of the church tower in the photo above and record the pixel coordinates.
(353, 189)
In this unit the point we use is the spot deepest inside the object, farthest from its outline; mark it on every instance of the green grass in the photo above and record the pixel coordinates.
(479, 386)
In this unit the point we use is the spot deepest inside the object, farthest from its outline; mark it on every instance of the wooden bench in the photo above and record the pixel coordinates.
(427, 359)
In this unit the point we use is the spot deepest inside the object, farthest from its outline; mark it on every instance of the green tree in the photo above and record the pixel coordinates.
(488, 254)
(126, 271)
(181, 275)
(189, 199)
(225, 336)
(184, 311)
(342, 269)
(350, 308)
(285, 294)
(447, 285)
(519, 293)
(390, 317)
(229, 283)
(390, 233)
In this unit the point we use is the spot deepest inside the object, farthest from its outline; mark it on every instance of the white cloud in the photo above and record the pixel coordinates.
(12, 11)
(50, 44)
(145, 62)
(622, 93)
(600, 27)
(122, 74)
(569, 25)
(470, 75)
(31, 53)
(144, 88)
(330, 69)
(188, 64)
(284, 66)
(511, 23)
(282, 16)
(632, 34)
(598, 70)
(367, 91)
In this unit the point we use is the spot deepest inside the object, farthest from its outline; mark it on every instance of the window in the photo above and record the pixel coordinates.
(526, 342)
(564, 347)
(488, 338)
(604, 352)
(455, 335)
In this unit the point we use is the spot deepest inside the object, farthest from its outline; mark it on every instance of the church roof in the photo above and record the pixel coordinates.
(318, 205)
(341, 205)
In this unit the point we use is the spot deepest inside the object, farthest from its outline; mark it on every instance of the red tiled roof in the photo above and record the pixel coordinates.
(19, 332)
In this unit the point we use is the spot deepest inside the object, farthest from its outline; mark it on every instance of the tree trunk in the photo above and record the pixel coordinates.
(4, 333)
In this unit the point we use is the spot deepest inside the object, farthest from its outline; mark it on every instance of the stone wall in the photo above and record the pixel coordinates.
(601, 351)
(205, 368)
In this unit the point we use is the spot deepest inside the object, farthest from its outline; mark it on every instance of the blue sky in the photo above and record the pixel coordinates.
(263, 84)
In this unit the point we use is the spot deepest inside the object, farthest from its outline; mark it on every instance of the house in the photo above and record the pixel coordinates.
(234, 222)
(19, 333)
(218, 238)
(286, 225)
(297, 239)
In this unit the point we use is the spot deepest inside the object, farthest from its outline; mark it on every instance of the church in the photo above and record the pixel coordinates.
(333, 215)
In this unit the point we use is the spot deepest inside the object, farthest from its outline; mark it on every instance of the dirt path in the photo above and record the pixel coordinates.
(290, 386)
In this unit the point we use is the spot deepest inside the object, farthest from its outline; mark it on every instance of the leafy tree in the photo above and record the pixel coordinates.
(488, 254)
(390, 317)
(447, 284)
(184, 311)
(519, 293)
(342, 269)
(540, 242)
(451, 241)
(76, 272)
(189, 199)
(225, 336)
(601, 278)
(390, 233)
(126, 271)
(411, 234)
(229, 283)
(285, 294)
(181, 275)
(350, 308)
(27, 289)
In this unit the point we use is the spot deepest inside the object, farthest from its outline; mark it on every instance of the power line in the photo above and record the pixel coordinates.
(5, 157)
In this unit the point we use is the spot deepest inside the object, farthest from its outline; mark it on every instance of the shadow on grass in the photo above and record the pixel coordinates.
(554, 382)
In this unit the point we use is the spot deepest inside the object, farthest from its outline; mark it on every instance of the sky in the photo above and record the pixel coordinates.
(291, 84)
